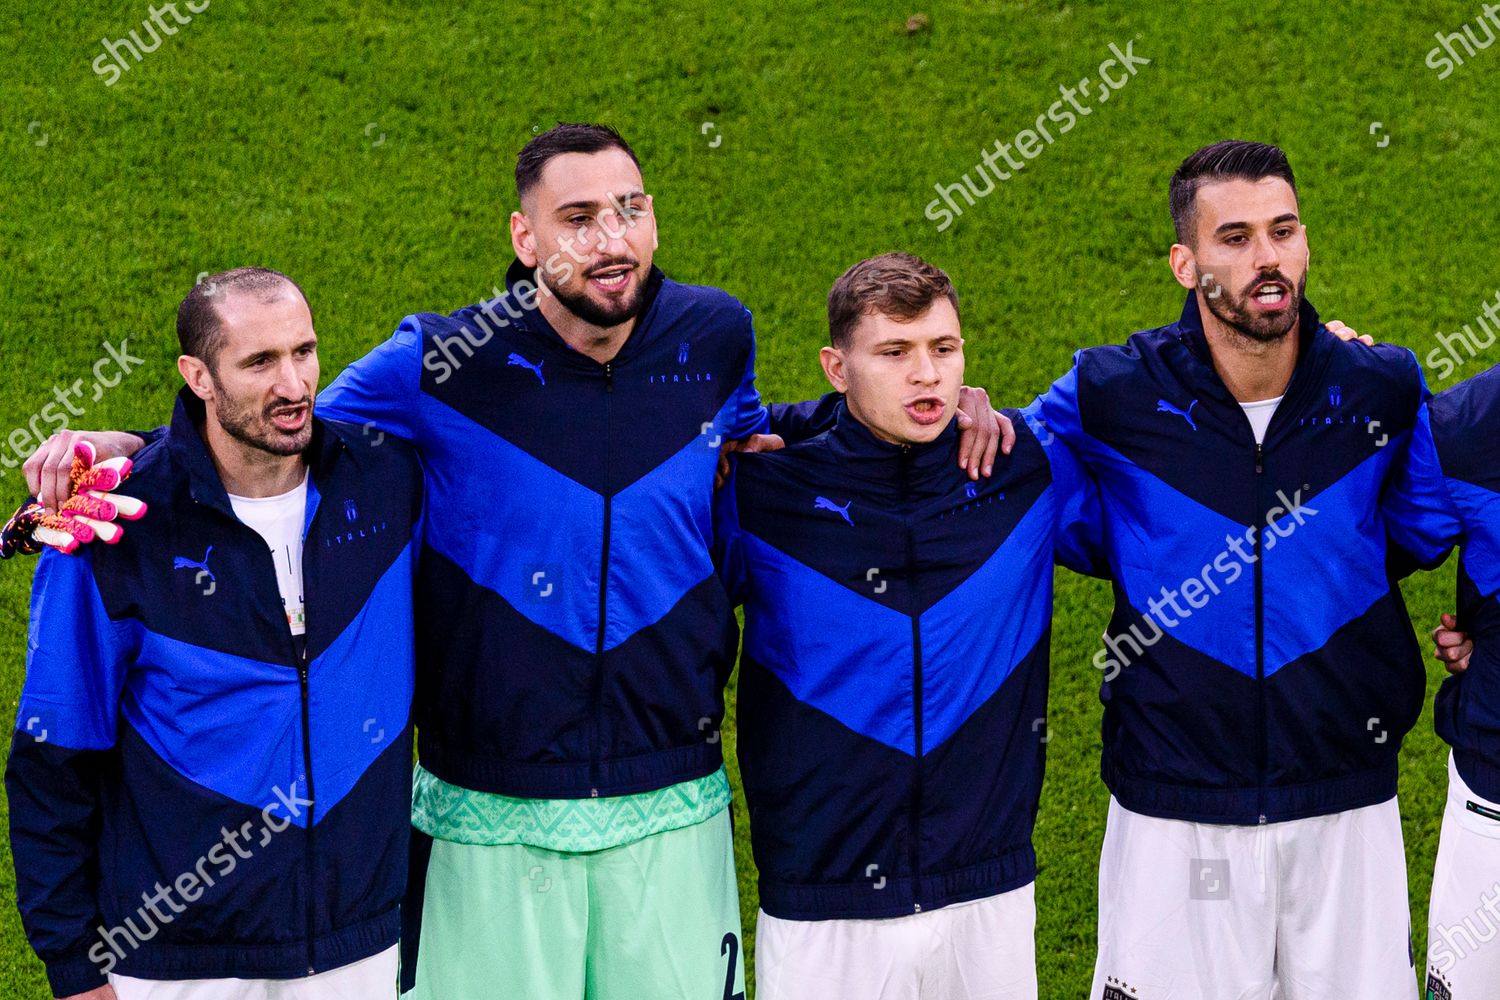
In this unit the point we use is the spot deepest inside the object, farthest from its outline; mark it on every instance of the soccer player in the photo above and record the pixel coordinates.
(1449, 493)
(571, 808)
(1260, 668)
(891, 720)
(211, 761)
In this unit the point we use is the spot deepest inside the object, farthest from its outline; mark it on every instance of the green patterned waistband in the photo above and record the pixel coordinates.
(463, 816)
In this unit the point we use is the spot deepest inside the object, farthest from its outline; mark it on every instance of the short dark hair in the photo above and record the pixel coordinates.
(902, 286)
(199, 328)
(1230, 159)
(565, 137)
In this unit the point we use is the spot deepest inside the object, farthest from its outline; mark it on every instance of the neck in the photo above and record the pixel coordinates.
(1251, 369)
(601, 343)
(246, 471)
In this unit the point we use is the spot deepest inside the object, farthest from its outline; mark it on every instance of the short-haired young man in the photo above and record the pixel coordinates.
(893, 685)
(211, 764)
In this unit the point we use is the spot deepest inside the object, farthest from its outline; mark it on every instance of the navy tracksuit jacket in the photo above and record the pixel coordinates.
(1260, 664)
(573, 639)
(173, 736)
(893, 684)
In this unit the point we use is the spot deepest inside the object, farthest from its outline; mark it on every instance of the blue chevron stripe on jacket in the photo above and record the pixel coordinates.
(1450, 493)
(893, 684)
(572, 638)
(192, 795)
(1260, 665)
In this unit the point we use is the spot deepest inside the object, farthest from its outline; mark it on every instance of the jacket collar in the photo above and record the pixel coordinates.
(532, 320)
(189, 451)
(1313, 345)
(1190, 324)
(916, 470)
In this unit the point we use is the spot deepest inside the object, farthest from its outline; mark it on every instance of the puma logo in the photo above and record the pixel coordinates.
(1162, 406)
(823, 503)
(535, 369)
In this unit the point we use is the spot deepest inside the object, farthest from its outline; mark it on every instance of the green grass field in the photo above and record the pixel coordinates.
(367, 150)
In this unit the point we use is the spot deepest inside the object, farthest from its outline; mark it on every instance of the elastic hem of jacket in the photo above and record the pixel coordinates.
(280, 961)
(620, 776)
(1246, 806)
(897, 897)
(1482, 776)
(75, 974)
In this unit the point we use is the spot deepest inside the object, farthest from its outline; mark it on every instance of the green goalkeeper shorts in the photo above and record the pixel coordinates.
(658, 918)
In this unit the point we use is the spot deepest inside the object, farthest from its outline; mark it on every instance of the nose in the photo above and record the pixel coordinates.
(288, 383)
(1266, 256)
(610, 238)
(925, 372)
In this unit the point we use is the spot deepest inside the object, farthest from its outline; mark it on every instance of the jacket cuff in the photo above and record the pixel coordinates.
(76, 974)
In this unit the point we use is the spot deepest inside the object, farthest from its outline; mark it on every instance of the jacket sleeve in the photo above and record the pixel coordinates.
(1080, 518)
(728, 549)
(745, 414)
(1057, 414)
(380, 391)
(803, 421)
(1420, 514)
(76, 663)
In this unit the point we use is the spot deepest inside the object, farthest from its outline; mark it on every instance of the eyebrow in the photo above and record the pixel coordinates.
(1226, 227)
(901, 342)
(624, 199)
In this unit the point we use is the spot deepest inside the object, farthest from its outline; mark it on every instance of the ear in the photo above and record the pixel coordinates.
(1184, 265)
(195, 374)
(655, 229)
(832, 360)
(523, 239)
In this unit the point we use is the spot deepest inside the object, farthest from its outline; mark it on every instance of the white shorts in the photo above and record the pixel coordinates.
(1310, 909)
(1463, 923)
(373, 978)
(980, 950)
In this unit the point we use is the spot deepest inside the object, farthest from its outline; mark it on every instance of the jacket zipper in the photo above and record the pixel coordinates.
(311, 800)
(594, 764)
(915, 819)
(1260, 636)
(304, 690)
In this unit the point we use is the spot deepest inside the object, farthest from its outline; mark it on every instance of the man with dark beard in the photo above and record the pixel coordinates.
(1260, 667)
(211, 763)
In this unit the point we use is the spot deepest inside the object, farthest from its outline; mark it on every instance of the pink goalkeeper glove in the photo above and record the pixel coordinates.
(89, 512)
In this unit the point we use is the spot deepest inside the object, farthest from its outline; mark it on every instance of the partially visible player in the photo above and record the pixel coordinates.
(893, 686)
(1450, 494)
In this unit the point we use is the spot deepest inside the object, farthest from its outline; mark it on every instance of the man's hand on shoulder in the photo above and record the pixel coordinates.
(88, 511)
(1344, 332)
(983, 431)
(50, 468)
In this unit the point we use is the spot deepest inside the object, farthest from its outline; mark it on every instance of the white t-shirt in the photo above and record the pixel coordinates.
(279, 521)
(1260, 414)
